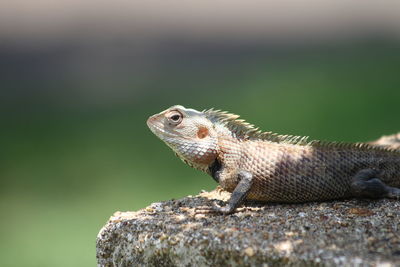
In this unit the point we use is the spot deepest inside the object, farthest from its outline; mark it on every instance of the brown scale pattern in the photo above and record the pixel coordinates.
(300, 173)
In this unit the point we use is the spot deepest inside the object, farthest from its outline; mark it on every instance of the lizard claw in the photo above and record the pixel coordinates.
(214, 209)
(207, 209)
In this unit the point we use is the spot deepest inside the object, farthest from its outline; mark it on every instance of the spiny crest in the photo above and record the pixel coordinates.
(358, 146)
(244, 130)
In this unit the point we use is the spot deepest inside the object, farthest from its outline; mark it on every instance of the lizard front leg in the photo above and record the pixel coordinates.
(238, 196)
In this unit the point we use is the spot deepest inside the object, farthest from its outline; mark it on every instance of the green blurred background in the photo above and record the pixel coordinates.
(77, 88)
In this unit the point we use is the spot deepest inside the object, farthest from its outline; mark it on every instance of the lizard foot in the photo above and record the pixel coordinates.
(214, 209)
(393, 193)
(367, 184)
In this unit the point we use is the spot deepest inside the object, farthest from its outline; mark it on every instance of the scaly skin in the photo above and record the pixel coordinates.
(275, 168)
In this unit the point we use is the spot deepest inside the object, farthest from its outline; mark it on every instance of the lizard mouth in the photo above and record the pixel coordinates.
(158, 128)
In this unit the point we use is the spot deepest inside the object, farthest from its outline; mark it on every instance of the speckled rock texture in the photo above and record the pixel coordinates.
(337, 233)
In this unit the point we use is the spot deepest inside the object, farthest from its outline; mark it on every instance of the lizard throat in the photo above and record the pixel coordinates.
(195, 153)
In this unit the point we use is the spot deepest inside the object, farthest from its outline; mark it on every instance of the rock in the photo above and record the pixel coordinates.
(351, 232)
(390, 141)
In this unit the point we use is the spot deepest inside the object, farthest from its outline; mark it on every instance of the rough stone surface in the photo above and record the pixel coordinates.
(338, 233)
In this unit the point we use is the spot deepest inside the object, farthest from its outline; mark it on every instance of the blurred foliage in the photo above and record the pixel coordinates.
(65, 170)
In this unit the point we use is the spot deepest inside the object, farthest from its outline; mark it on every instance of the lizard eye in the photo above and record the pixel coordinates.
(175, 117)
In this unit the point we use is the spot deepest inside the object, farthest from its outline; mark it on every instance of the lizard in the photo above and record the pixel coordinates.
(269, 167)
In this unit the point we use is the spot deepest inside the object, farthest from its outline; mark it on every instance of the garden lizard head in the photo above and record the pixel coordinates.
(189, 133)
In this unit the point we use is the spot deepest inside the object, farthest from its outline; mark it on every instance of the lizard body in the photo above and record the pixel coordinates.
(268, 167)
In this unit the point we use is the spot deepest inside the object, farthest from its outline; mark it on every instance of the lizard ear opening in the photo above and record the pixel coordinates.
(202, 132)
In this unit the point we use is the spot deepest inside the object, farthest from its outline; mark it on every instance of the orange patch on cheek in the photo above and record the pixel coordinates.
(202, 133)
